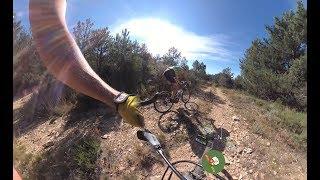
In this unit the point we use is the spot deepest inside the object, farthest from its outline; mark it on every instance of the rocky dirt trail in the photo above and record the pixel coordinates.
(20, 102)
(251, 156)
(123, 156)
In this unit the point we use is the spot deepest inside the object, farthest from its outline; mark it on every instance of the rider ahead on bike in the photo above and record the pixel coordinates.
(170, 75)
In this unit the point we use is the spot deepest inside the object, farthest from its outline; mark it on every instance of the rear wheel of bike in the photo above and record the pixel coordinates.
(191, 106)
(163, 103)
(185, 95)
(188, 170)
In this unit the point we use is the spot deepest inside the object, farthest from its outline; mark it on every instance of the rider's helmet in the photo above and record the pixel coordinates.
(170, 74)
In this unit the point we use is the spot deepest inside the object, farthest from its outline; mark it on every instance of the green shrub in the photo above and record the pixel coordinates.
(275, 67)
(86, 154)
(26, 161)
(294, 121)
(278, 117)
(130, 177)
(258, 128)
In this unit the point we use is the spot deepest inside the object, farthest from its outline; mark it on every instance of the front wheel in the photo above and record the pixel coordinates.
(163, 103)
(185, 95)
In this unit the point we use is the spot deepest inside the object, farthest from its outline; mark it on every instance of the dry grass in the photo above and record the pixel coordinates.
(130, 177)
(24, 161)
(62, 109)
(268, 118)
(181, 138)
(143, 158)
(86, 153)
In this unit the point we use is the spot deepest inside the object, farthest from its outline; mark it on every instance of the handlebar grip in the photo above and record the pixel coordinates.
(141, 136)
(149, 137)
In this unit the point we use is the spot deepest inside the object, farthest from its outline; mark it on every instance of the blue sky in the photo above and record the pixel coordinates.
(216, 32)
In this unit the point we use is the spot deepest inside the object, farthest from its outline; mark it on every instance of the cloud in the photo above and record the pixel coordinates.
(159, 35)
(20, 14)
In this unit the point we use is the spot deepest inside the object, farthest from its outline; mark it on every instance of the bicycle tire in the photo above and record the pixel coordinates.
(163, 97)
(191, 106)
(177, 162)
(185, 93)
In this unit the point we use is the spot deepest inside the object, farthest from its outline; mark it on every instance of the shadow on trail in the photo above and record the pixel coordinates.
(96, 113)
(31, 115)
(216, 137)
(196, 125)
(169, 122)
(59, 161)
(227, 174)
(109, 123)
(85, 109)
(209, 96)
(41, 106)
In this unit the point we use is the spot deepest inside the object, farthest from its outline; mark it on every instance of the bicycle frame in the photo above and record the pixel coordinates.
(152, 99)
(166, 101)
(147, 136)
(184, 84)
(151, 139)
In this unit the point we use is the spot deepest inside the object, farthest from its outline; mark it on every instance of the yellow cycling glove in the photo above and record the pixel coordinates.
(129, 112)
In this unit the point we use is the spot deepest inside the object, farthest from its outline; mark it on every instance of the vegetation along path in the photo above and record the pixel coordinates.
(69, 145)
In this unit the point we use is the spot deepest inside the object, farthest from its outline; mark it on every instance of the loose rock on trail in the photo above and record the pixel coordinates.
(248, 155)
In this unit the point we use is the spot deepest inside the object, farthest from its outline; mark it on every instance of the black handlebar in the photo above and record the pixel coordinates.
(153, 98)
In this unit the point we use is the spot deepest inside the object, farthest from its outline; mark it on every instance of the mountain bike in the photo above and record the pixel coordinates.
(196, 174)
(163, 101)
(146, 135)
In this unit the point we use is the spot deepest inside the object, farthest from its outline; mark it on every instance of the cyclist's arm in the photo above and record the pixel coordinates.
(16, 176)
(60, 53)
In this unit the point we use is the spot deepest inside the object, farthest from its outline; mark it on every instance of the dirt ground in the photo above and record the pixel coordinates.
(123, 156)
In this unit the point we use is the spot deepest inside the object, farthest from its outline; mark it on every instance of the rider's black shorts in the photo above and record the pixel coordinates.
(170, 75)
(171, 79)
